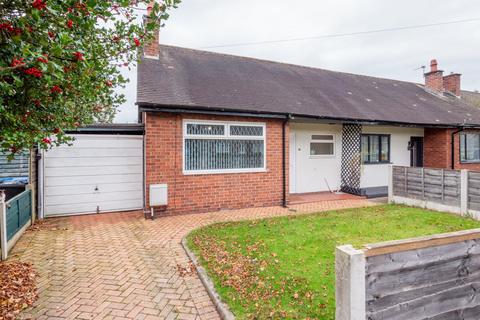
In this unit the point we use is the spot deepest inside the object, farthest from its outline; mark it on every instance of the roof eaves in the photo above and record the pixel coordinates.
(152, 107)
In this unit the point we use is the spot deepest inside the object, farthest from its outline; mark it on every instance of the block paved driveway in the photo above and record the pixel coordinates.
(121, 266)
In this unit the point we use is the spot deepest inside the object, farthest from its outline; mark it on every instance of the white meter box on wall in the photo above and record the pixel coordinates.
(158, 195)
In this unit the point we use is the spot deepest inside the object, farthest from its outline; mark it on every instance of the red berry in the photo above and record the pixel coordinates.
(17, 62)
(39, 4)
(7, 26)
(33, 72)
(78, 56)
(56, 89)
(108, 83)
(70, 23)
(47, 140)
(42, 60)
(137, 42)
(56, 130)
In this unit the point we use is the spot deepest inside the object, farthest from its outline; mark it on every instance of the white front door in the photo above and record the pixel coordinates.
(316, 154)
(98, 173)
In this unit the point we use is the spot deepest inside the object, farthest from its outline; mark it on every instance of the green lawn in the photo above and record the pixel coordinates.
(285, 267)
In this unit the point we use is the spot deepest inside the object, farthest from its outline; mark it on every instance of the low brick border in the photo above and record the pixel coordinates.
(221, 307)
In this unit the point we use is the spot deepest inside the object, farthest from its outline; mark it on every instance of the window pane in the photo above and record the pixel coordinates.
(365, 148)
(374, 149)
(252, 131)
(321, 148)
(322, 137)
(473, 147)
(206, 129)
(219, 154)
(385, 147)
(462, 147)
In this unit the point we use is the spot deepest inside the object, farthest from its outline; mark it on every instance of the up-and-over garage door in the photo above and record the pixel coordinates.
(98, 173)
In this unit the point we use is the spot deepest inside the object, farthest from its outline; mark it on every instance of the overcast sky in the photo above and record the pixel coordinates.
(396, 55)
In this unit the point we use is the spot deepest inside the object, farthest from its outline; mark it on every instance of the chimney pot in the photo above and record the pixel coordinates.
(433, 65)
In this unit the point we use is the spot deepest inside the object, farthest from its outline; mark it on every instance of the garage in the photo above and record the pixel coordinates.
(102, 171)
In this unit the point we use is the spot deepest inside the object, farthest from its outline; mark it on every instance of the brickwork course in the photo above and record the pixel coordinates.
(121, 266)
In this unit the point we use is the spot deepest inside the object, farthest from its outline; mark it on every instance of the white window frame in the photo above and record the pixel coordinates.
(226, 136)
(322, 156)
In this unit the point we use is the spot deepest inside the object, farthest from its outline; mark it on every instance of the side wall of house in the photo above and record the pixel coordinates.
(438, 150)
(209, 192)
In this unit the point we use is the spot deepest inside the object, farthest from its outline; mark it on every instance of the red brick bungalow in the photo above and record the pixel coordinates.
(227, 132)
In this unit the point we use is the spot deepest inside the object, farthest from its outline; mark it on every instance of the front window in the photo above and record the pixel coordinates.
(222, 147)
(470, 147)
(375, 148)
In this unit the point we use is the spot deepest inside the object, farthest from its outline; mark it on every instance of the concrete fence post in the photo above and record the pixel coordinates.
(464, 192)
(3, 226)
(349, 283)
(390, 183)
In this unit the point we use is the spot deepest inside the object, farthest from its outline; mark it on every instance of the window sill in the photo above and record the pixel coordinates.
(469, 162)
(322, 156)
(375, 163)
(233, 171)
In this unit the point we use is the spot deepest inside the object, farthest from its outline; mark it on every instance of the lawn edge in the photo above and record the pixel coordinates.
(221, 307)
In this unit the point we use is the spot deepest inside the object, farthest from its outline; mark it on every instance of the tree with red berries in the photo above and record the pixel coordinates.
(60, 62)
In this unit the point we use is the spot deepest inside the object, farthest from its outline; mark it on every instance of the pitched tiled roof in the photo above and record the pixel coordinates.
(471, 97)
(203, 80)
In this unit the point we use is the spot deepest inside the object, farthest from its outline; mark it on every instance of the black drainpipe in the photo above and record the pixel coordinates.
(453, 146)
(284, 163)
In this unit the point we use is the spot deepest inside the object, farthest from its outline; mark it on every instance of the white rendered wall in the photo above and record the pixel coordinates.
(376, 175)
(313, 173)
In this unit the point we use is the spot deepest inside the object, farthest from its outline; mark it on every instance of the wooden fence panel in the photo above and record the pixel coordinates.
(474, 190)
(436, 282)
(436, 185)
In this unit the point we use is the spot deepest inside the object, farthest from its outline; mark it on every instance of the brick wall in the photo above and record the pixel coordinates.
(209, 192)
(437, 150)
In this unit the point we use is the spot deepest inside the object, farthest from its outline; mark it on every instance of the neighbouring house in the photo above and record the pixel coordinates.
(472, 98)
(226, 132)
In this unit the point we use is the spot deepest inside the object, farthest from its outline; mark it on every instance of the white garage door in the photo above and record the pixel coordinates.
(98, 173)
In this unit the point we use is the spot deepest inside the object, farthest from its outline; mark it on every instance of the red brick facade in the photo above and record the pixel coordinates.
(209, 192)
(438, 150)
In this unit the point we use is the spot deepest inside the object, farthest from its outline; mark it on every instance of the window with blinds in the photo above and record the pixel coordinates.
(223, 147)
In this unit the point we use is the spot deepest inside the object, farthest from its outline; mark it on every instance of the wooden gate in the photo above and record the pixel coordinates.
(15, 217)
(19, 213)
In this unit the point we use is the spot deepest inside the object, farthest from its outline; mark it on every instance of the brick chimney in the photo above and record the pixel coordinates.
(434, 78)
(452, 83)
(151, 49)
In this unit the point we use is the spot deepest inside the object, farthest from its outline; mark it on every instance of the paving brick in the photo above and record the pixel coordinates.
(121, 266)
